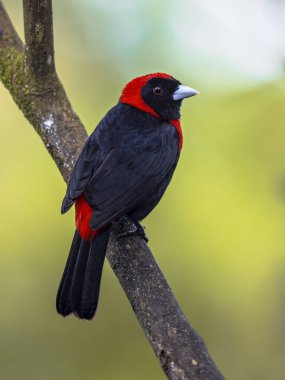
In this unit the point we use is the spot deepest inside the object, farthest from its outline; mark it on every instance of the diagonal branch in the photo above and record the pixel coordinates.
(29, 74)
(36, 88)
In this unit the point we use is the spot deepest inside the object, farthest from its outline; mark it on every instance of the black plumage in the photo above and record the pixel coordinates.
(124, 160)
(80, 284)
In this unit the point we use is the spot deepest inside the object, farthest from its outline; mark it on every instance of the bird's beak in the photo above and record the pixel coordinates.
(184, 92)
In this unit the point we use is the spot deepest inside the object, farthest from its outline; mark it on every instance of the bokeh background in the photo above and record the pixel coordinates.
(218, 234)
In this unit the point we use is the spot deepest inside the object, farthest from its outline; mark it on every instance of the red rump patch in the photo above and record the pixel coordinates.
(176, 124)
(131, 94)
(83, 213)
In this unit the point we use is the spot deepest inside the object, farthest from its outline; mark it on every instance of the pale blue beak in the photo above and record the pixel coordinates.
(184, 92)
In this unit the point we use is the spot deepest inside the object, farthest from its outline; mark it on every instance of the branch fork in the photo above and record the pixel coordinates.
(28, 72)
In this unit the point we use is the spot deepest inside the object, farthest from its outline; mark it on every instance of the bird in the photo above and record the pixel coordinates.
(122, 172)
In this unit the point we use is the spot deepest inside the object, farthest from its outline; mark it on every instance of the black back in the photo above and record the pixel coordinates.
(125, 160)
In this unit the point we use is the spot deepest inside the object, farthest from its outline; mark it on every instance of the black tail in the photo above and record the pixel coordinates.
(79, 288)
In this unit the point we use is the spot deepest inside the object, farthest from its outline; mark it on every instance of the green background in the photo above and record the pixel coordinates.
(218, 234)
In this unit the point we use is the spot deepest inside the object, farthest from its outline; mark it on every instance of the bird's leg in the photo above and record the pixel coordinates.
(132, 228)
(141, 231)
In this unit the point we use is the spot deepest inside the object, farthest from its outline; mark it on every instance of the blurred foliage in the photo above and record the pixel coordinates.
(218, 234)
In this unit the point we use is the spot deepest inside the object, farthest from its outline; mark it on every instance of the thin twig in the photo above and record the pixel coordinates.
(33, 83)
(38, 25)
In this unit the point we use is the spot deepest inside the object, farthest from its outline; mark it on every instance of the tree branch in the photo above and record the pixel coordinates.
(36, 88)
(180, 350)
(29, 74)
(38, 25)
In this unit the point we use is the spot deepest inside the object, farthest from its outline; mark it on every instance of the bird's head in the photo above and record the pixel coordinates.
(159, 94)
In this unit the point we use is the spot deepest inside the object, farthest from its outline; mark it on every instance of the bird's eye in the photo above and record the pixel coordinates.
(157, 91)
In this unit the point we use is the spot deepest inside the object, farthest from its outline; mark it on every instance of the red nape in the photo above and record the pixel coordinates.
(131, 94)
(176, 124)
(82, 217)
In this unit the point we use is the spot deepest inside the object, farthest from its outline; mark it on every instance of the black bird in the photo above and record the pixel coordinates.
(123, 170)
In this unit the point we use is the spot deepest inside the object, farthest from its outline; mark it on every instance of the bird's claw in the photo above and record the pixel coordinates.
(133, 229)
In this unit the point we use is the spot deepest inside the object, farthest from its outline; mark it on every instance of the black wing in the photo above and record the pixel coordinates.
(80, 176)
(90, 158)
(128, 176)
(122, 162)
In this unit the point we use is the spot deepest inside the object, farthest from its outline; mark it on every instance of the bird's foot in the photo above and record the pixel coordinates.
(132, 229)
